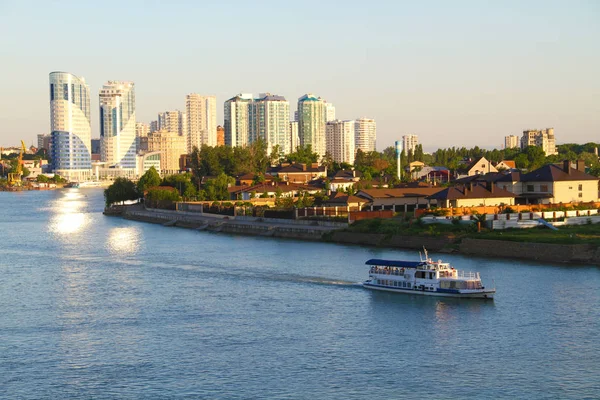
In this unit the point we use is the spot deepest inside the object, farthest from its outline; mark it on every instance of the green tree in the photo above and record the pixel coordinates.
(150, 179)
(216, 189)
(303, 154)
(120, 191)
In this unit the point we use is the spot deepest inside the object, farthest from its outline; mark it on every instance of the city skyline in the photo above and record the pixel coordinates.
(453, 74)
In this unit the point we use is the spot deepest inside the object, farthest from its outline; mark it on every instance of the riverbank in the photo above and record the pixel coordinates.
(501, 245)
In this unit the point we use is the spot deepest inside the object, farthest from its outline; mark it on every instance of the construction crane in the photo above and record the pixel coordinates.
(15, 178)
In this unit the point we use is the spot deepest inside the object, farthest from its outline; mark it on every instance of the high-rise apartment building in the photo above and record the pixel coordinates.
(311, 123)
(171, 146)
(365, 132)
(153, 126)
(340, 140)
(141, 131)
(270, 116)
(409, 143)
(329, 112)
(172, 121)
(118, 145)
(238, 124)
(44, 141)
(201, 120)
(511, 142)
(294, 138)
(70, 126)
(543, 138)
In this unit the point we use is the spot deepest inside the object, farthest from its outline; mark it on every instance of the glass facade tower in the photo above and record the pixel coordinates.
(70, 126)
(117, 125)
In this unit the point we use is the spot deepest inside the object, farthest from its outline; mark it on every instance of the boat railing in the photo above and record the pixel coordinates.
(468, 275)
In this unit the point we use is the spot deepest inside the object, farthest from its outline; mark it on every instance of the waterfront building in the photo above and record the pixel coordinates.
(201, 120)
(329, 112)
(294, 138)
(409, 143)
(237, 120)
(270, 116)
(340, 140)
(511, 142)
(118, 143)
(543, 138)
(70, 126)
(311, 123)
(365, 132)
(220, 136)
(171, 146)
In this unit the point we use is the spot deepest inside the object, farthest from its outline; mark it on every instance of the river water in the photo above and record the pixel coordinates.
(100, 307)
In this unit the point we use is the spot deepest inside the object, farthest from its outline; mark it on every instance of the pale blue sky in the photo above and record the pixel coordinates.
(459, 73)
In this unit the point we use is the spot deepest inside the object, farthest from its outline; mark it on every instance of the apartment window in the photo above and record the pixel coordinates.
(580, 188)
(580, 194)
(530, 188)
(543, 188)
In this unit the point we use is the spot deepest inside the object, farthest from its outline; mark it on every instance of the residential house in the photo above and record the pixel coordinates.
(412, 197)
(298, 172)
(479, 167)
(343, 200)
(269, 189)
(432, 174)
(506, 165)
(473, 195)
(344, 179)
(557, 184)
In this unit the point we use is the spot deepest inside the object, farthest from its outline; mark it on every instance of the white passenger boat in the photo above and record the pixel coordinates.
(426, 277)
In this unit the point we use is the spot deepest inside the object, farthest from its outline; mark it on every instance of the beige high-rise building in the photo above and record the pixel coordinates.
(294, 138)
(340, 140)
(172, 121)
(142, 129)
(511, 142)
(543, 138)
(171, 146)
(409, 143)
(201, 120)
(365, 132)
(329, 112)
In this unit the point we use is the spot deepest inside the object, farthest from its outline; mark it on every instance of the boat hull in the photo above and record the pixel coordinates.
(482, 294)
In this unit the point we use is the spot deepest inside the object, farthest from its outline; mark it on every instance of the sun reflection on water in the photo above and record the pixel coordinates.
(68, 218)
(123, 240)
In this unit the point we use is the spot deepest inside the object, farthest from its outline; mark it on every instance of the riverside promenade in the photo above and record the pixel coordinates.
(296, 229)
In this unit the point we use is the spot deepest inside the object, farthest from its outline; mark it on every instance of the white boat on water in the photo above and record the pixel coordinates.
(425, 277)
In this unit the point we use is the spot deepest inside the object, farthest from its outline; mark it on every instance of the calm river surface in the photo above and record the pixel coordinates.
(99, 307)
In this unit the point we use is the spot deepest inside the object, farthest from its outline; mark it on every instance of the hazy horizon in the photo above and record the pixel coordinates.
(455, 74)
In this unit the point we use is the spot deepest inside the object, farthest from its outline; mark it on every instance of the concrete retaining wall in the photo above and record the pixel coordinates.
(548, 252)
